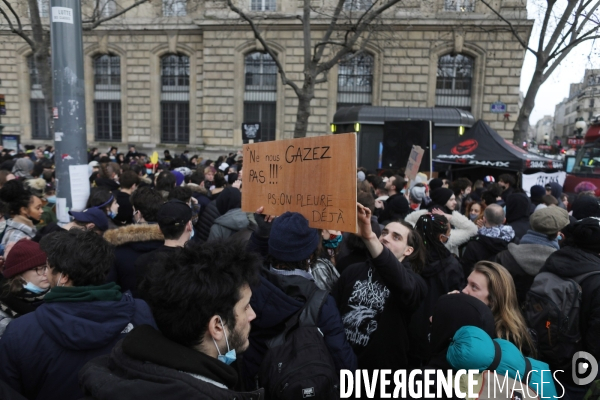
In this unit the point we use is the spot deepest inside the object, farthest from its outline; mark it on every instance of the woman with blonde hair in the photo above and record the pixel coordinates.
(493, 285)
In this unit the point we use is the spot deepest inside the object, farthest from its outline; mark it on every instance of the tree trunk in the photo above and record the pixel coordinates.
(522, 124)
(303, 114)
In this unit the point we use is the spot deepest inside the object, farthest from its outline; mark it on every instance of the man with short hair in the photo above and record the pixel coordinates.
(129, 181)
(396, 206)
(92, 219)
(82, 318)
(525, 260)
(131, 241)
(461, 188)
(175, 222)
(492, 238)
(201, 302)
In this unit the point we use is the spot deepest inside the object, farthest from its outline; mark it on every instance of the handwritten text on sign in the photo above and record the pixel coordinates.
(314, 176)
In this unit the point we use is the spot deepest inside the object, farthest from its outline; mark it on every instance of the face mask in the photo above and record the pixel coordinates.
(414, 206)
(33, 288)
(473, 217)
(112, 214)
(51, 199)
(148, 172)
(332, 243)
(59, 278)
(34, 221)
(192, 233)
(228, 357)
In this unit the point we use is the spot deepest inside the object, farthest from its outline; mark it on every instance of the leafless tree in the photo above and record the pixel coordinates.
(564, 26)
(37, 35)
(348, 30)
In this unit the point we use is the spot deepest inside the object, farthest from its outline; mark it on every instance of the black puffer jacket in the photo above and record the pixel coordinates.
(442, 276)
(481, 248)
(206, 220)
(518, 210)
(570, 262)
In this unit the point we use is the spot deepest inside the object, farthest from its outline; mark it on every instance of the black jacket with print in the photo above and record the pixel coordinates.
(376, 299)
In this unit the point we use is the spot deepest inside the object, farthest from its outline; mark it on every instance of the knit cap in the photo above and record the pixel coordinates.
(585, 234)
(441, 196)
(291, 238)
(25, 255)
(586, 206)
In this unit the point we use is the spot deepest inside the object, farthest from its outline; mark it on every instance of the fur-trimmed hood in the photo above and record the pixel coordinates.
(133, 233)
(198, 188)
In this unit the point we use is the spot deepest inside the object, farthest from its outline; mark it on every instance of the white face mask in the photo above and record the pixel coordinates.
(59, 278)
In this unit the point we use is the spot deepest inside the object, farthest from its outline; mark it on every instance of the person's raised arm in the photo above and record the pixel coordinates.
(363, 217)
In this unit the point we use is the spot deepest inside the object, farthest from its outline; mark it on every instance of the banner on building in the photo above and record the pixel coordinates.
(313, 176)
(542, 178)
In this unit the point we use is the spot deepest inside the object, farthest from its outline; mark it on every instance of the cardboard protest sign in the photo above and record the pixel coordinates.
(314, 176)
(414, 162)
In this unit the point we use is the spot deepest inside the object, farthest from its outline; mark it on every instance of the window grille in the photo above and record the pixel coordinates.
(355, 80)
(260, 94)
(454, 81)
(459, 5)
(175, 97)
(263, 5)
(174, 8)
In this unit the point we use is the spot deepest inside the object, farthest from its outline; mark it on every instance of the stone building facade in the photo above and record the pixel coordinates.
(181, 74)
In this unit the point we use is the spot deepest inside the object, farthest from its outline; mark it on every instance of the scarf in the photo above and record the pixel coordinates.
(504, 232)
(532, 237)
(76, 294)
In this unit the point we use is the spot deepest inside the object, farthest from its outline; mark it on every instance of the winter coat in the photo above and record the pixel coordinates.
(376, 300)
(441, 276)
(42, 352)
(325, 274)
(486, 246)
(206, 220)
(524, 262)
(518, 210)
(276, 299)
(462, 229)
(570, 262)
(146, 365)
(17, 228)
(226, 225)
(107, 183)
(143, 262)
(201, 194)
(131, 241)
(125, 214)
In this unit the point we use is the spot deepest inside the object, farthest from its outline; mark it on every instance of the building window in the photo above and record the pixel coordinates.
(260, 95)
(263, 5)
(107, 7)
(175, 98)
(174, 8)
(459, 5)
(107, 97)
(357, 5)
(454, 81)
(39, 111)
(355, 80)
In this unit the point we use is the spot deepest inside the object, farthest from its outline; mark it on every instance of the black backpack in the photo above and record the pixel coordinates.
(297, 364)
(551, 310)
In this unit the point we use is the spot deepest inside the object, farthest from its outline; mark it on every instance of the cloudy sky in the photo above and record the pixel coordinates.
(571, 70)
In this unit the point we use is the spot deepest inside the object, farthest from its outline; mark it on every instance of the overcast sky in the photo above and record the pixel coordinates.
(571, 70)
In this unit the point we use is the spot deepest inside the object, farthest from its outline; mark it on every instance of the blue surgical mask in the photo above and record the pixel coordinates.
(192, 233)
(473, 217)
(51, 199)
(228, 357)
(112, 214)
(33, 288)
(332, 243)
(148, 172)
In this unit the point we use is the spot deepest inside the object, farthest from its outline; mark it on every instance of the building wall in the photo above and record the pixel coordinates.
(417, 34)
(583, 103)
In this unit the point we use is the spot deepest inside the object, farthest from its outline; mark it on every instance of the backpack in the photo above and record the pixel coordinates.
(297, 364)
(552, 311)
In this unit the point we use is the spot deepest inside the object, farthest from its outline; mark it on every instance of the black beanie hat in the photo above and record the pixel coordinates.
(291, 238)
(441, 196)
(435, 183)
(585, 234)
(586, 206)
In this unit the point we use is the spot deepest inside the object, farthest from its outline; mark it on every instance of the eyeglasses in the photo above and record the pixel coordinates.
(41, 270)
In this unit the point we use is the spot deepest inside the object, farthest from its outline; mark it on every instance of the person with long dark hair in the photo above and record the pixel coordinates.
(25, 212)
(442, 273)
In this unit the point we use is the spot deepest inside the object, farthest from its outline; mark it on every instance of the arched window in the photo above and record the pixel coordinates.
(260, 94)
(175, 98)
(355, 80)
(39, 111)
(107, 97)
(454, 81)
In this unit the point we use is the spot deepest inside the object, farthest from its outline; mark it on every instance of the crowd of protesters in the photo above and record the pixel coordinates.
(163, 288)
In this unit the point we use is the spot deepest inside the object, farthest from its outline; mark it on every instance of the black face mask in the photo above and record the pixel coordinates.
(33, 220)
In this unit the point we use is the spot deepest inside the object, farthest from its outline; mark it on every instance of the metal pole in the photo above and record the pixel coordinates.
(69, 107)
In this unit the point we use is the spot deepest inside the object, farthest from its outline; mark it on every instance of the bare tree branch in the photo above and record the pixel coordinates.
(96, 23)
(511, 26)
(267, 48)
(18, 31)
